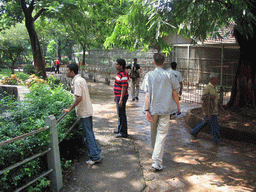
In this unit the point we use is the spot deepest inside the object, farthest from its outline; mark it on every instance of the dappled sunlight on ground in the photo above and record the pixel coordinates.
(190, 164)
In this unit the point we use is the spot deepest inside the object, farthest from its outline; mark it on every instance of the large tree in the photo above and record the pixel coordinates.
(196, 19)
(13, 11)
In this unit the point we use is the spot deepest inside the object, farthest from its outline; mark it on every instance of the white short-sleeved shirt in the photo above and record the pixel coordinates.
(178, 75)
(159, 84)
(84, 108)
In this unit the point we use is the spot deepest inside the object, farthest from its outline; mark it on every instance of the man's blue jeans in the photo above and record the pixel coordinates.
(214, 124)
(122, 119)
(89, 138)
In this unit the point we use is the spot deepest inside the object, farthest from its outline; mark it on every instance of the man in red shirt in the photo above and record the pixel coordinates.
(121, 97)
(58, 66)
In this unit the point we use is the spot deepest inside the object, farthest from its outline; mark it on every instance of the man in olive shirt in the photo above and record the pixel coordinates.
(210, 109)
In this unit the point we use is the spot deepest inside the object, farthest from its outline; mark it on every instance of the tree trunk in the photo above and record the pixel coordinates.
(39, 62)
(59, 49)
(84, 50)
(244, 87)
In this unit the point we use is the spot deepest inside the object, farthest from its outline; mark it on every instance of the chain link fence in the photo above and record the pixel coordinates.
(194, 62)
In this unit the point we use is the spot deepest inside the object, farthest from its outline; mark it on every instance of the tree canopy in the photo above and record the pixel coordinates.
(14, 43)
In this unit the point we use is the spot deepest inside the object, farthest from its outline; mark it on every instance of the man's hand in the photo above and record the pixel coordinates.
(148, 116)
(120, 103)
(66, 110)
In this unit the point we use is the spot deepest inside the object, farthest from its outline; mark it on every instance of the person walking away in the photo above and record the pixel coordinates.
(84, 111)
(210, 109)
(178, 75)
(52, 66)
(161, 100)
(58, 66)
(121, 97)
(135, 72)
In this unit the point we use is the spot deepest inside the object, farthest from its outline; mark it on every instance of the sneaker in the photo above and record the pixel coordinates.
(157, 167)
(193, 134)
(137, 98)
(119, 135)
(133, 99)
(91, 162)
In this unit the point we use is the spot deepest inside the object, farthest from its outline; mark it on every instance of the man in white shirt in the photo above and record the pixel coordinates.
(161, 100)
(84, 111)
(178, 75)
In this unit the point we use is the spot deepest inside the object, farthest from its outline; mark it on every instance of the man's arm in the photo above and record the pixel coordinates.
(77, 101)
(148, 115)
(176, 99)
(123, 91)
(181, 87)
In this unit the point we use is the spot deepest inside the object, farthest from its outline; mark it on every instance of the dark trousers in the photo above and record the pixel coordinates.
(58, 69)
(214, 124)
(122, 119)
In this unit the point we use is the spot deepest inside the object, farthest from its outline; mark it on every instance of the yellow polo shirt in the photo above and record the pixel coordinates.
(84, 108)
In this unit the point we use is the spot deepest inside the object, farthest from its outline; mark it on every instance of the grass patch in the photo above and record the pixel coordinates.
(8, 72)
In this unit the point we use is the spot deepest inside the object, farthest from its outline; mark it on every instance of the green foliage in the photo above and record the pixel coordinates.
(13, 45)
(65, 61)
(51, 48)
(52, 81)
(8, 72)
(26, 116)
(148, 22)
(29, 69)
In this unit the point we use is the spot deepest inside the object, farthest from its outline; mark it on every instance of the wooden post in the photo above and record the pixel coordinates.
(53, 157)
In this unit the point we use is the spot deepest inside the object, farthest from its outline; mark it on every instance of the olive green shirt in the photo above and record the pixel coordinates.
(210, 106)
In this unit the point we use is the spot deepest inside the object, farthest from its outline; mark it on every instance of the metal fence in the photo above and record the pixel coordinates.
(195, 62)
(53, 155)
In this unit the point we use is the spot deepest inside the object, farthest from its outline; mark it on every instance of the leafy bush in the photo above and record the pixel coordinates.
(29, 69)
(26, 116)
(53, 81)
(33, 79)
(13, 80)
(65, 61)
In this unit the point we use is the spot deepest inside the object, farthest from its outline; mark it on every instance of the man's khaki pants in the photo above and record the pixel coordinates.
(159, 130)
(135, 87)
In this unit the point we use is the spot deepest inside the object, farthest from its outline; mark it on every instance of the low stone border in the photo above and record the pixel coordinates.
(232, 134)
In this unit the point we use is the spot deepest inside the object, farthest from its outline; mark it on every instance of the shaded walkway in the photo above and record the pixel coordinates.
(189, 165)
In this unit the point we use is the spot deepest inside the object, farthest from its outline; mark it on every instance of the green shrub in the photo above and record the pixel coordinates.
(65, 61)
(26, 116)
(53, 81)
(29, 69)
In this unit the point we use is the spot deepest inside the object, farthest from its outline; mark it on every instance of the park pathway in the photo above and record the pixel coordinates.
(189, 165)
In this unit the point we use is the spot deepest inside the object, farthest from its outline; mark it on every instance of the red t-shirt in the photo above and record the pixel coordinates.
(121, 81)
(57, 62)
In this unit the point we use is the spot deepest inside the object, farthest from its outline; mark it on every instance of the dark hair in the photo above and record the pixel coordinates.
(121, 62)
(135, 60)
(73, 67)
(158, 58)
(173, 65)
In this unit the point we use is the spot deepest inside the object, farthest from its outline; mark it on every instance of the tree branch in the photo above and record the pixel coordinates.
(38, 14)
(31, 6)
(24, 8)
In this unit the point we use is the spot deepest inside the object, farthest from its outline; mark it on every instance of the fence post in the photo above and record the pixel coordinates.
(53, 157)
